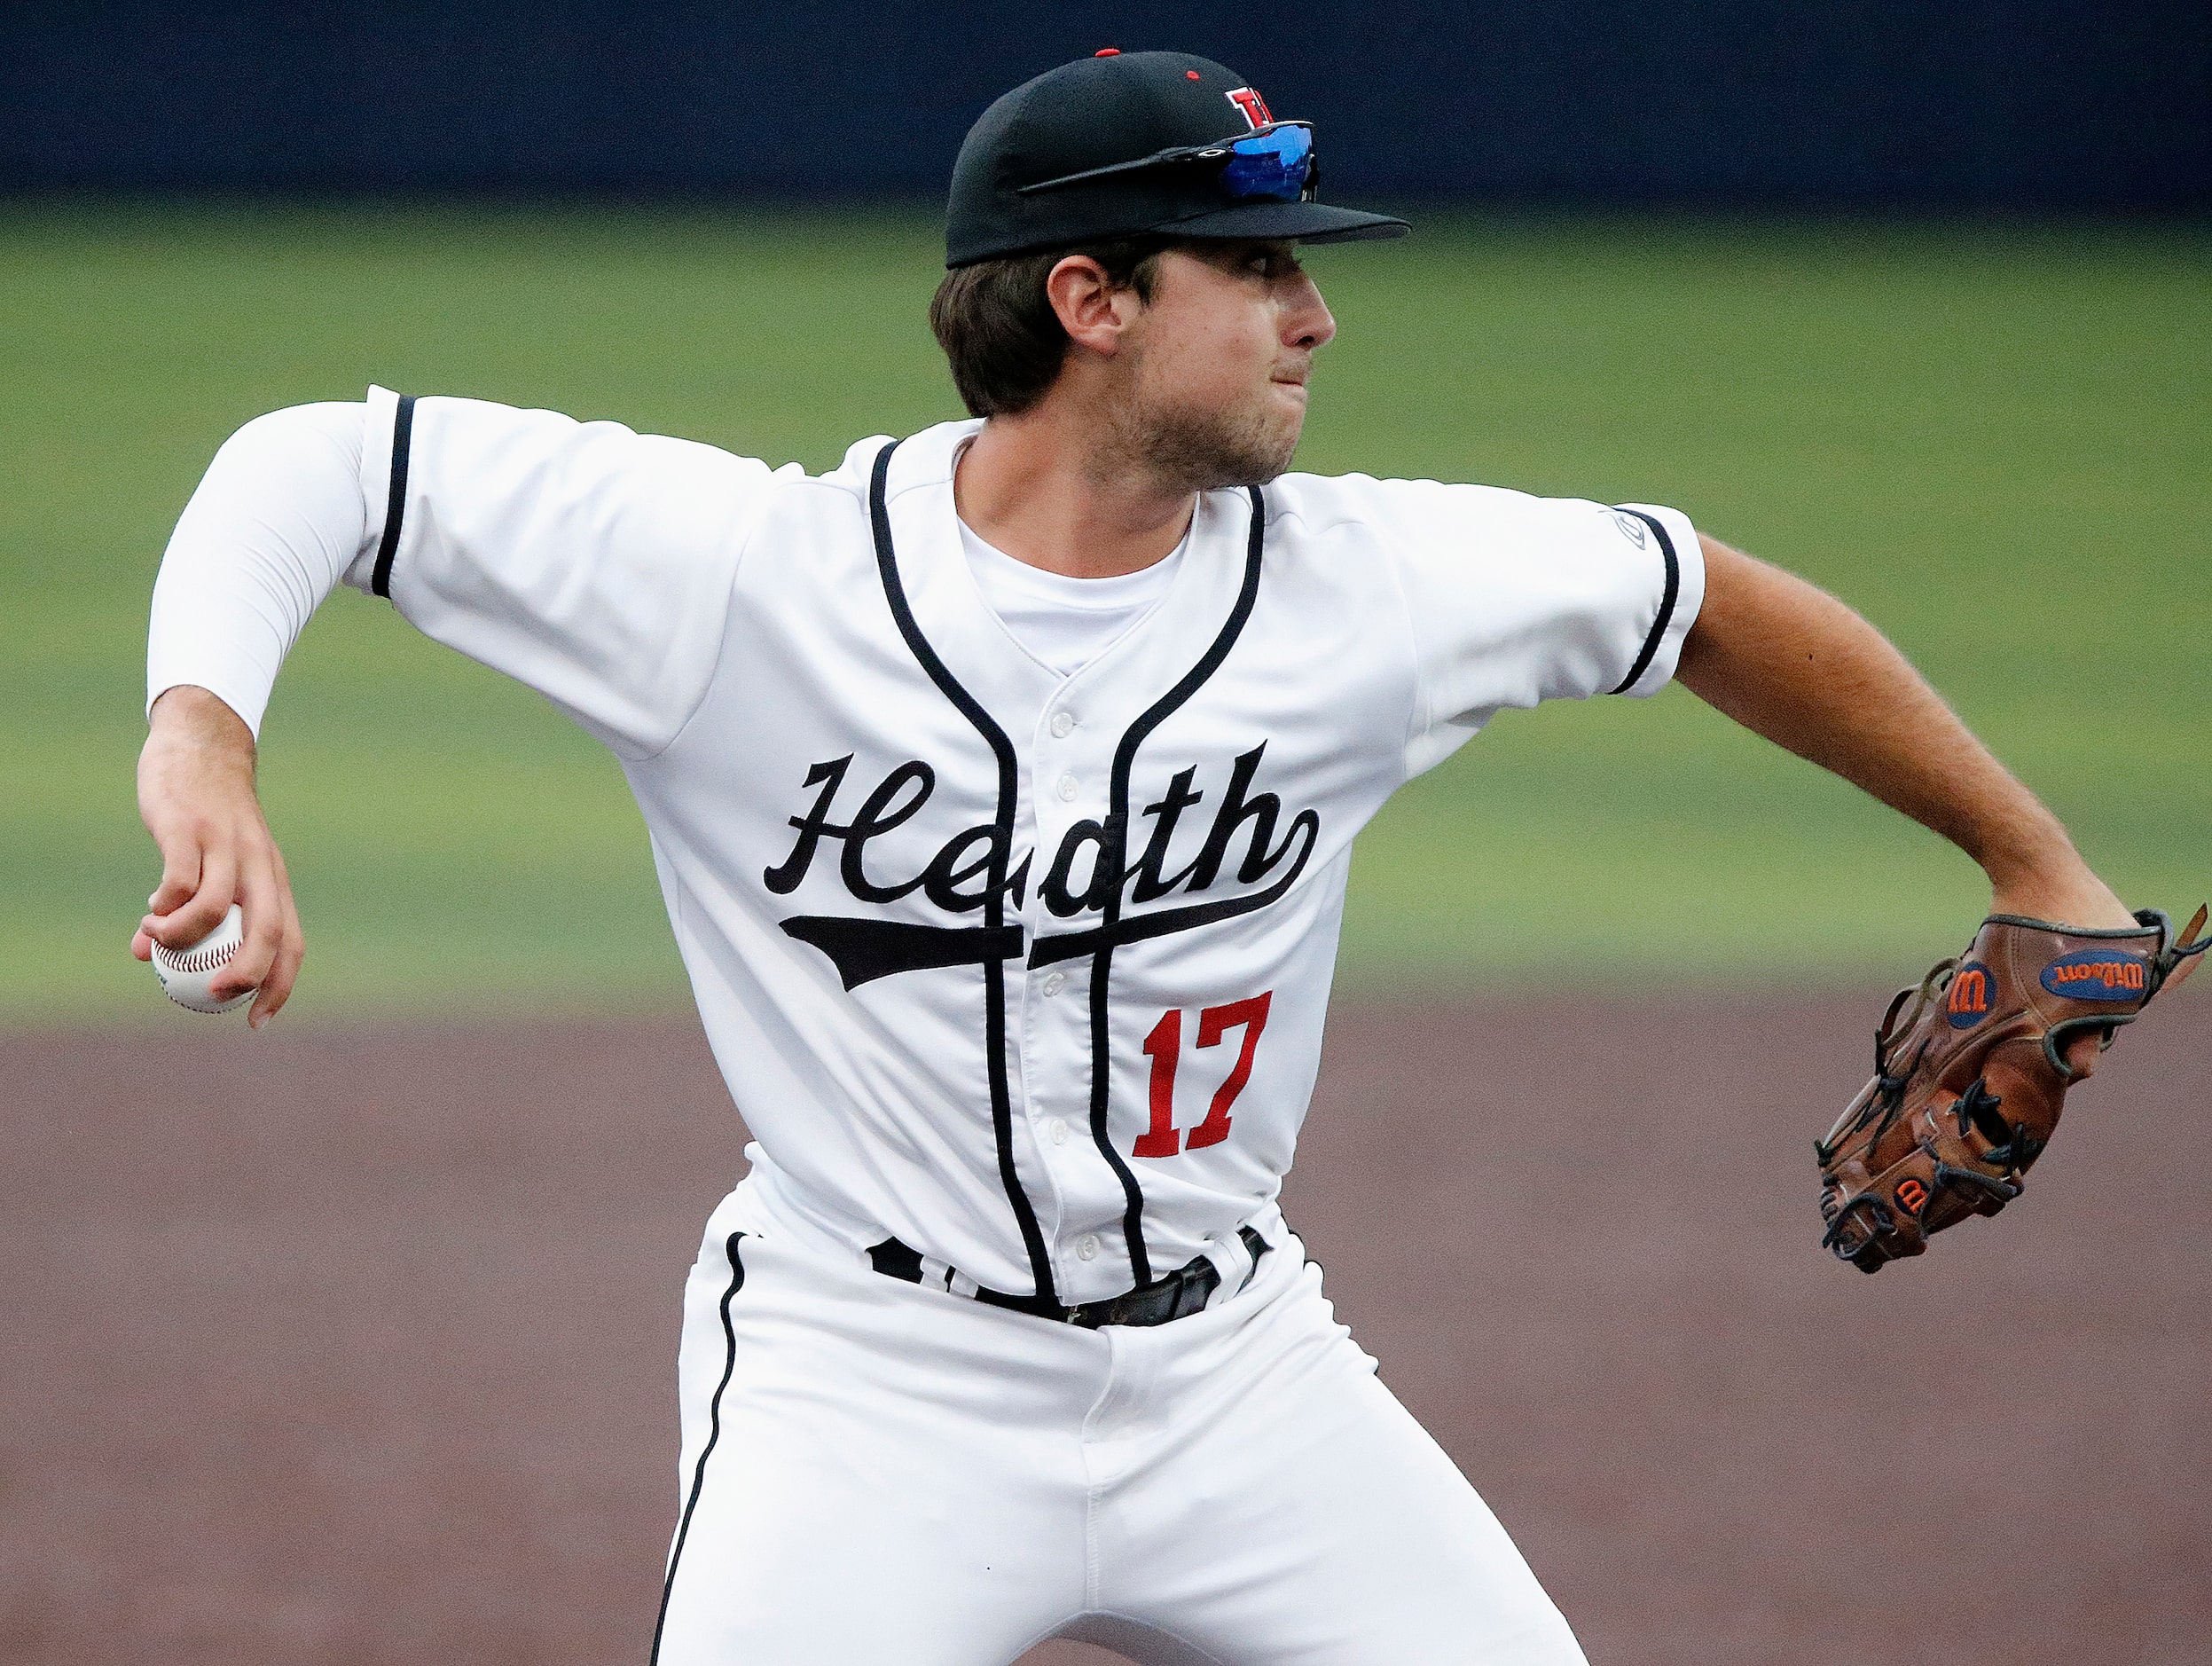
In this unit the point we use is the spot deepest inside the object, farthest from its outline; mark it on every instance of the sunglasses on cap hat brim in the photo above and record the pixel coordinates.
(1271, 164)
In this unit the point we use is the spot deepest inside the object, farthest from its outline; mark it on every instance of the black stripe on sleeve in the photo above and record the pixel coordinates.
(714, 1434)
(396, 502)
(1667, 602)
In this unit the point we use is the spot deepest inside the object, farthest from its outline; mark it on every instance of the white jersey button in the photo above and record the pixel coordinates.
(1062, 722)
(1067, 789)
(1054, 982)
(1086, 1247)
(1058, 1129)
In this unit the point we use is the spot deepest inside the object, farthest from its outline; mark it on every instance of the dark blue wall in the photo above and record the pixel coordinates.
(1988, 104)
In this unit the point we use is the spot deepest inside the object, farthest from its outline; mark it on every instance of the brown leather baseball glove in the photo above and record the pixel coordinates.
(1970, 1071)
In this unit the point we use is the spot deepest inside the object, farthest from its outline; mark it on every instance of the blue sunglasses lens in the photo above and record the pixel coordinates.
(1270, 165)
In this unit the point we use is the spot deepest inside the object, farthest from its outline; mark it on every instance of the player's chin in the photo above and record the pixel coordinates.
(1287, 422)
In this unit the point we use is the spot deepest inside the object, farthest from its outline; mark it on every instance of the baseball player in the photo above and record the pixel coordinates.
(1001, 784)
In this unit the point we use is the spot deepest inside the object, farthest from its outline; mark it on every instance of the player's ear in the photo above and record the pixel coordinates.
(1091, 307)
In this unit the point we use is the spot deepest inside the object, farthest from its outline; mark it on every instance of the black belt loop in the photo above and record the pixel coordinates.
(1255, 1246)
(1184, 1292)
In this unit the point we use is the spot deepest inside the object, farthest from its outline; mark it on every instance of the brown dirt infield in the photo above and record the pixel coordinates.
(354, 1347)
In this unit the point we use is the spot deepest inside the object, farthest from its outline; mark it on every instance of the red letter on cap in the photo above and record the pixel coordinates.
(1252, 104)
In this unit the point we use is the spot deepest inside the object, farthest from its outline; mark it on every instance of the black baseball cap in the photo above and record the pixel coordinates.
(1124, 144)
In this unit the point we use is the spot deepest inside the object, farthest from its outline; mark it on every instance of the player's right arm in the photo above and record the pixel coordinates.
(592, 563)
(196, 796)
(277, 520)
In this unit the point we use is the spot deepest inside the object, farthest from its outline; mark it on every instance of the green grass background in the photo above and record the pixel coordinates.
(1996, 443)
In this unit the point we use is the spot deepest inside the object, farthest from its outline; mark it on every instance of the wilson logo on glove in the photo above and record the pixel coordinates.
(2096, 974)
(1969, 1002)
(1910, 1195)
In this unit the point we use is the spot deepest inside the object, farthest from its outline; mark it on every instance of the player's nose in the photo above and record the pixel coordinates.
(1306, 320)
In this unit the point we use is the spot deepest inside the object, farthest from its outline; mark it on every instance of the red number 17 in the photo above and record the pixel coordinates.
(1165, 1047)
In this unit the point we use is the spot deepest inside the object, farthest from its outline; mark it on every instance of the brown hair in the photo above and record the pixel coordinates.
(999, 331)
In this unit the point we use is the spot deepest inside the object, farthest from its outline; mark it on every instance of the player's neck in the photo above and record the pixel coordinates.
(1035, 486)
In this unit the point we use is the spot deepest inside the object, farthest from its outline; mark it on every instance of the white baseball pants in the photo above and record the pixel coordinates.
(878, 1474)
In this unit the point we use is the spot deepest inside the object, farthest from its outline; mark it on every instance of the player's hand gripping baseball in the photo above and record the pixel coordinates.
(196, 795)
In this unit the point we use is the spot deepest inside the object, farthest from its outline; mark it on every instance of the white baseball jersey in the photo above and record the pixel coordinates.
(1025, 970)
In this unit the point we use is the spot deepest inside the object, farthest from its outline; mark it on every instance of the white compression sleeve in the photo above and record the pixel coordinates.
(277, 520)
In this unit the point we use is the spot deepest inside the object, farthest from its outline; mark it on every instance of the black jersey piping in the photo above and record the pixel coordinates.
(396, 498)
(714, 1434)
(1667, 598)
(1114, 861)
(994, 902)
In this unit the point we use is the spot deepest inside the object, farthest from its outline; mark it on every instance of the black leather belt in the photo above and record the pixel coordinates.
(1183, 1291)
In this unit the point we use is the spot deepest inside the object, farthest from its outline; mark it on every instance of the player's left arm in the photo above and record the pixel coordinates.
(1790, 662)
